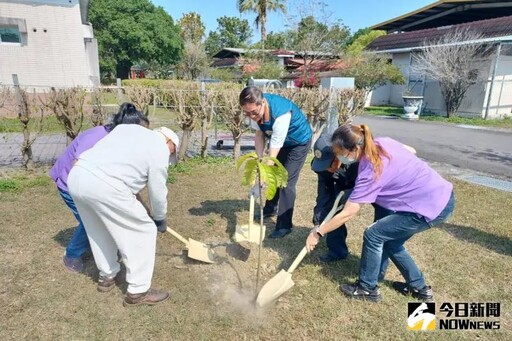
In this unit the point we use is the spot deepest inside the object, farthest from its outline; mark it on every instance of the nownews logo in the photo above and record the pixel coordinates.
(460, 316)
(422, 316)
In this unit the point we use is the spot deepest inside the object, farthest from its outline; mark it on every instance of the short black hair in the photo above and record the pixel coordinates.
(251, 94)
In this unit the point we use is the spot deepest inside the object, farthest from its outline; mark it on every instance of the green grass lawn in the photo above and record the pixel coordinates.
(157, 116)
(383, 110)
(503, 123)
(466, 260)
(45, 125)
(397, 111)
(50, 124)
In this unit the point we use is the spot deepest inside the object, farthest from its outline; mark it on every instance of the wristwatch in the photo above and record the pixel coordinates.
(317, 231)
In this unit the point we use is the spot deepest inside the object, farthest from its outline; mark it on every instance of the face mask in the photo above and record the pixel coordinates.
(345, 160)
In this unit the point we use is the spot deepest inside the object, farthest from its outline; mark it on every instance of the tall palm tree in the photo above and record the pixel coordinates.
(261, 8)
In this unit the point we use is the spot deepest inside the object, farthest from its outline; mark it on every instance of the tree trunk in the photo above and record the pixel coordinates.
(236, 147)
(26, 149)
(184, 143)
(263, 24)
(97, 115)
(260, 244)
(319, 128)
(453, 94)
(451, 106)
(204, 138)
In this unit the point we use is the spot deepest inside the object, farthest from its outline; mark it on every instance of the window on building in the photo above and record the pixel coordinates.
(10, 34)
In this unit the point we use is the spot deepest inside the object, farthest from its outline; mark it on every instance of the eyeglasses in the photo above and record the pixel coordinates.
(253, 112)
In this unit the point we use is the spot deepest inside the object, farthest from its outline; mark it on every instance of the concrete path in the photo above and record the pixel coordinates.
(47, 148)
(462, 150)
(480, 150)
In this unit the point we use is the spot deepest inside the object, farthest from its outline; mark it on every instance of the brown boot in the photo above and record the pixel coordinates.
(150, 297)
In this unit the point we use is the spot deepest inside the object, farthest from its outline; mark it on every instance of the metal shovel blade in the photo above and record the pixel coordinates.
(275, 287)
(282, 282)
(200, 251)
(196, 250)
(249, 233)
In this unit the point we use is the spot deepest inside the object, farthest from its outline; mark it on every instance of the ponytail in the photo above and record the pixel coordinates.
(372, 151)
(127, 114)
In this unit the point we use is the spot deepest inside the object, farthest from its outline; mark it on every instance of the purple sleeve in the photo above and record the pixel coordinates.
(88, 140)
(367, 188)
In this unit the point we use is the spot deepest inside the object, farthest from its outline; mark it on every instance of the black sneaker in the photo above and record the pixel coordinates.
(359, 293)
(424, 294)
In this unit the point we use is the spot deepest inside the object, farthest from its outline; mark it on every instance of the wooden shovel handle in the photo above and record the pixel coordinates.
(297, 260)
(175, 234)
(251, 209)
(304, 251)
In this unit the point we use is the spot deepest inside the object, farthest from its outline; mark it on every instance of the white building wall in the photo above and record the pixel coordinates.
(391, 94)
(401, 61)
(474, 102)
(379, 96)
(57, 57)
(501, 98)
(471, 105)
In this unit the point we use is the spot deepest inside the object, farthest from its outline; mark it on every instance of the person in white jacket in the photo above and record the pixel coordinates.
(104, 184)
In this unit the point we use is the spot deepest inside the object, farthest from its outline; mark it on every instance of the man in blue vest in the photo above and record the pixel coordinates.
(280, 120)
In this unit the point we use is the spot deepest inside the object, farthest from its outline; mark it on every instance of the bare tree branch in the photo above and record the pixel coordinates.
(185, 103)
(141, 96)
(228, 108)
(68, 105)
(457, 60)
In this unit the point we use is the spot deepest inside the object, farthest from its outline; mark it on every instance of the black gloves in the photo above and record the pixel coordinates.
(161, 225)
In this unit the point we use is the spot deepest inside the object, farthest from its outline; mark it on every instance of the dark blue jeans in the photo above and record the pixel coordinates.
(381, 212)
(386, 237)
(79, 243)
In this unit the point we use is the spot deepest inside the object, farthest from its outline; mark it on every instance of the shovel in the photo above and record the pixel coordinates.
(282, 282)
(196, 250)
(250, 232)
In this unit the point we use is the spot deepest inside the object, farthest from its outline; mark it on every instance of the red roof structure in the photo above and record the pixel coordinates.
(323, 65)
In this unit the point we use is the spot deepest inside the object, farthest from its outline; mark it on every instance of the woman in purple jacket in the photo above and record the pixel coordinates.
(417, 197)
(79, 244)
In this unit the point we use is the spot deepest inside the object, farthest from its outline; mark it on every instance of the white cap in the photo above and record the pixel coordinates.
(171, 135)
